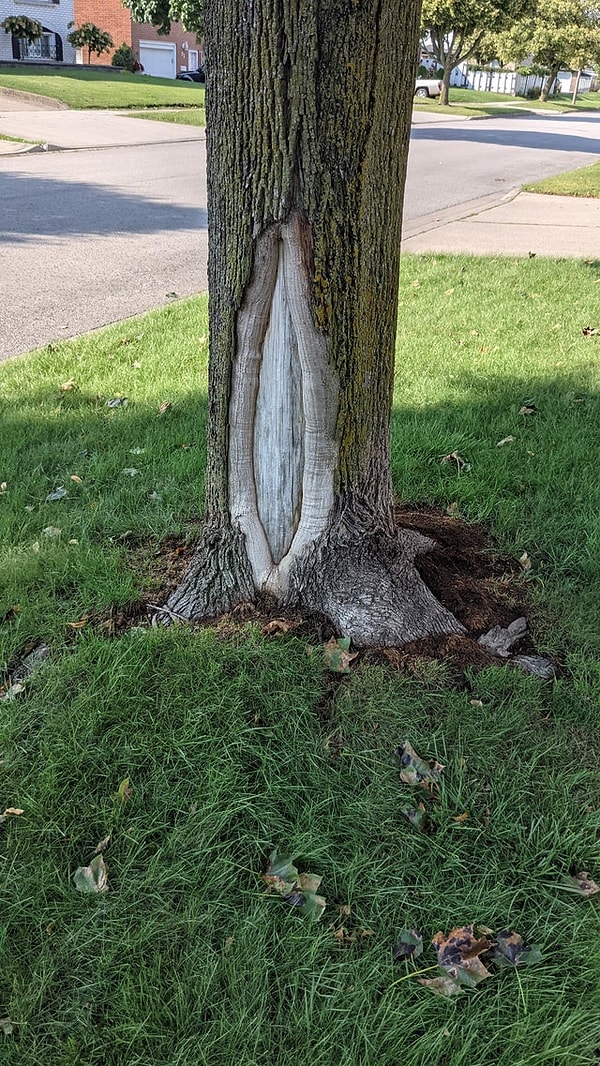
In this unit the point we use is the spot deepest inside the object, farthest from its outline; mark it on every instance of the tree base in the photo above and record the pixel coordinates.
(366, 584)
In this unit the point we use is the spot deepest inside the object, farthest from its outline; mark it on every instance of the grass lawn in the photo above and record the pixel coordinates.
(471, 102)
(190, 117)
(235, 743)
(91, 88)
(585, 181)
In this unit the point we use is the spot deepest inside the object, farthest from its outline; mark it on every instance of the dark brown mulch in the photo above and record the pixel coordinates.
(465, 571)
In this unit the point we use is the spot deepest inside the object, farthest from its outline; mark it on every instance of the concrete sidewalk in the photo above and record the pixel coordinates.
(521, 223)
(87, 129)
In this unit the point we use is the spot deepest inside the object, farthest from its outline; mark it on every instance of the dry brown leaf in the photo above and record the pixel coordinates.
(80, 624)
(582, 884)
(525, 561)
(67, 386)
(76, 479)
(505, 440)
(165, 405)
(9, 812)
(460, 818)
(102, 844)
(278, 626)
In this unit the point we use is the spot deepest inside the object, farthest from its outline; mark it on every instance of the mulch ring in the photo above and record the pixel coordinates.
(465, 571)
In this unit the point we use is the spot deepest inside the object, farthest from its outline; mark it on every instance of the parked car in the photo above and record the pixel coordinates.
(426, 87)
(192, 75)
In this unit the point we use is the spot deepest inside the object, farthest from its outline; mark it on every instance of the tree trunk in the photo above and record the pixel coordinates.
(308, 117)
(444, 97)
(548, 84)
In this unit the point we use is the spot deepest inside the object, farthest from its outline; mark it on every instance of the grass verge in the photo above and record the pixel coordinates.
(235, 746)
(192, 116)
(99, 89)
(475, 104)
(585, 181)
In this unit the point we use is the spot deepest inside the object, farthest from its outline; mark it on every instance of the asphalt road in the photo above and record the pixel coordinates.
(93, 236)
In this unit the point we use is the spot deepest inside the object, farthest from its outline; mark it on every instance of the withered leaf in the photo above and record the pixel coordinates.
(444, 985)
(408, 946)
(528, 408)
(92, 878)
(11, 812)
(278, 626)
(458, 954)
(462, 465)
(510, 949)
(298, 890)
(581, 885)
(525, 561)
(590, 331)
(414, 770)
(67, 386)
(6, 1026)
(102, 844)
(337, 655)
(461, 818)
(164, 407)
(505, 440)
(76, 479)
(418, 817)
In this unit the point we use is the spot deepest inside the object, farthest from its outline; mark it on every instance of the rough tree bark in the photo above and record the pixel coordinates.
(308, 117)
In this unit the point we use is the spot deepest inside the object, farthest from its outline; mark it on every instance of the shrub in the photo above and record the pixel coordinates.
(124, 57)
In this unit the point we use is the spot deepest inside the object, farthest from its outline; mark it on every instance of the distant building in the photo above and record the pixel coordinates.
(108, 15)
(54, 15)
(166, 56)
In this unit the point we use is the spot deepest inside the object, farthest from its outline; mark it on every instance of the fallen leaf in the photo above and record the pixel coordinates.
(418, 817)
(476, 703)
(136, 365)
(73, 540)
(29, 508)
(92, 878)
(458, 954)
(278, 626)
(3, 486)
(67, 386)
(171, 295)
(124, 791)
(461, 818)
(102, 844)
(117, 401)
(448, 292)
(510, 949)
(444, 985)
(581, 885)
(11, 812)
(12, 691)
(525, 561)
(462, 465)
(6, 1026)
(337, 655)
(414, 770)
(528, 408)
(80, 624)
(408, 946)
(298, 890)
(130, 471)
(452, 508)
(11, 614)
(165, 405)
(56, 494)
(76, 479)
(51, 531)
(590, 331)
(505, 440)
(153, 496)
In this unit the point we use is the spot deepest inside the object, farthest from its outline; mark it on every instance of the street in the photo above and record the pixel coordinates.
(92, 236)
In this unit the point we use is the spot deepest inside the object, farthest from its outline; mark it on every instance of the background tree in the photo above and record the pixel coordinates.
(161, 13)
(91, 37)
(456, 30)
(565, 33)
(24, 28)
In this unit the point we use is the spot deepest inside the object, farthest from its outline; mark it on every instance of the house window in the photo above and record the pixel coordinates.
(48, 46)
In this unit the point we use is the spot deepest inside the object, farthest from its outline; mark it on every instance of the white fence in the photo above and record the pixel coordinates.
(513, 84)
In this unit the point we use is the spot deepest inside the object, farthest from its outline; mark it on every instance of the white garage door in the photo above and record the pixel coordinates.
(158, 59)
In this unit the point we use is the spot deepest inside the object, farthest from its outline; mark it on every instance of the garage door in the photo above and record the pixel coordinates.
(158, 59)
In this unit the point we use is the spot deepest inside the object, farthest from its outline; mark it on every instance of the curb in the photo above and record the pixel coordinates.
(424, 223)
(47, 103)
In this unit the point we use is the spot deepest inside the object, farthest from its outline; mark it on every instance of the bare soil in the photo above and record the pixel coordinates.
(465, 571)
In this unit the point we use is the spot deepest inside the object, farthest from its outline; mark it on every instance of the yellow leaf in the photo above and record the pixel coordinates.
(76, 479)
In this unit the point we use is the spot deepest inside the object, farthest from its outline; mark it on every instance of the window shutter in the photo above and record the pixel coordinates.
(16, 47)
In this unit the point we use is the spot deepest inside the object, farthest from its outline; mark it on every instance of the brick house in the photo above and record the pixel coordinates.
(166, 56)
(109, 16)
(54, 15)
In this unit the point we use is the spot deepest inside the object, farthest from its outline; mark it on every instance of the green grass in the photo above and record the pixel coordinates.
(99, 89)
(231, 752)
(476, 104)
(190, 117)
(585, 181)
